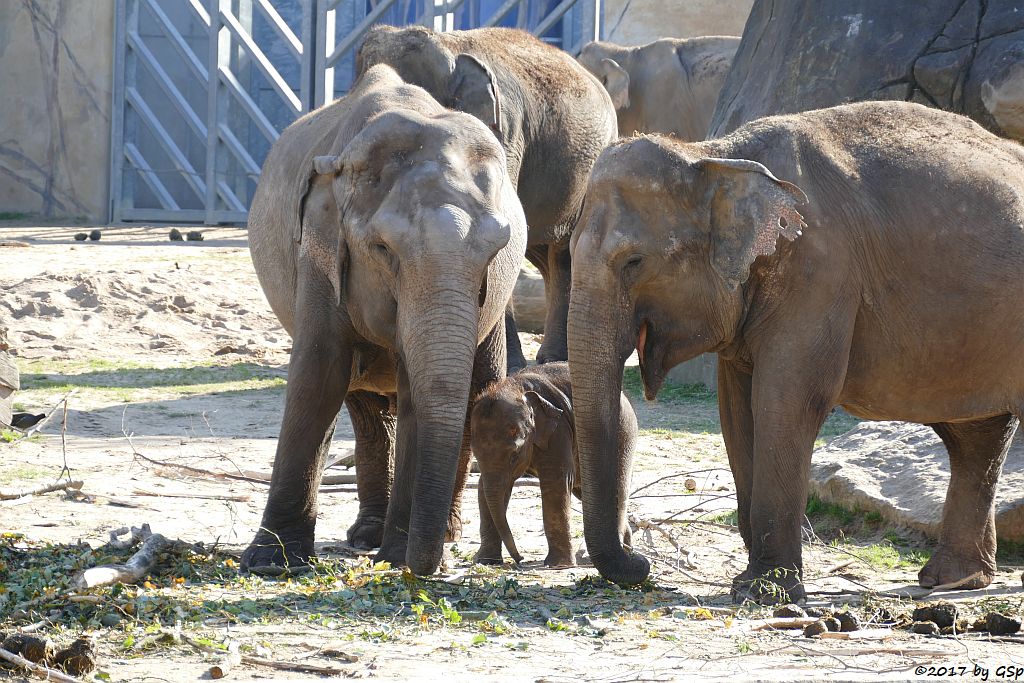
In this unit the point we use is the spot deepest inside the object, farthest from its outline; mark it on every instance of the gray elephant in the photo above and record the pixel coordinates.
(387, 238)
(552, 117)
(523, 424)
(885, 274)
(669, 86)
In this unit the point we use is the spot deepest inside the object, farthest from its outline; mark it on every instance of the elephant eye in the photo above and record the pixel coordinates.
(633, 261)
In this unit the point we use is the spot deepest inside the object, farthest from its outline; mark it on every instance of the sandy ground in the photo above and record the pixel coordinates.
(173, 354)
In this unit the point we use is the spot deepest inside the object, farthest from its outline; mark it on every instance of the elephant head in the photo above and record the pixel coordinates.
(459, 81)
(666, 242)
(428, 235)
(507, 425)
(604, 61)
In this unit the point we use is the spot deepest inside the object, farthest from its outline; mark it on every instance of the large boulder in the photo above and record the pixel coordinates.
(901, 471)
(964, 56)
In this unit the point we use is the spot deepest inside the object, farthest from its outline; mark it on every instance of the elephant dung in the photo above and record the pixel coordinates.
(901, 471)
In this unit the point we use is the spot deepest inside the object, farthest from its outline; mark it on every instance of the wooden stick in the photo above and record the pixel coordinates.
(232, 659)
(271, 663)
(777, 623)
(865, 634)
(956, 584)
(239, 497)
(136, 568)
(46, 673)
(647, 524)
(49, 488)
(832, 569)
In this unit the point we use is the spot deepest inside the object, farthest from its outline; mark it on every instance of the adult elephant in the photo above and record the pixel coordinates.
(897, 294)
(669, 86)
(387, 237)
(552, 117)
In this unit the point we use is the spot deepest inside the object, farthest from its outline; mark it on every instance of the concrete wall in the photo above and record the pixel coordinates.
(56, 75)
(635, 22)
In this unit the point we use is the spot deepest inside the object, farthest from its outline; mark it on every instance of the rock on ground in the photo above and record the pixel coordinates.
(901, 470)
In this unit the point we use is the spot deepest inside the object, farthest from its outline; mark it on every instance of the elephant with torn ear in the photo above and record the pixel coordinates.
(552, 117)
(869, 256)
(387, 238)
(524, 424)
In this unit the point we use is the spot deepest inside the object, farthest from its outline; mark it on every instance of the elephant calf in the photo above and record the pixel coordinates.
(668, 86)
(895, 290)
(524, 425)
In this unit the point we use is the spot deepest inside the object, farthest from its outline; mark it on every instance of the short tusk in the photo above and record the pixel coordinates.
(641, 342)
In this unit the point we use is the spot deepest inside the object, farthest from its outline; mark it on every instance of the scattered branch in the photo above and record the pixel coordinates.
(297, 667)
(228, 662)
(239, 497)
(49, 488)
(135, 569)
(648, 525)
(776, 623)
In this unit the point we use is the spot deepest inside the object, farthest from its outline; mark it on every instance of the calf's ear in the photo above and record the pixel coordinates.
(474, 90)
(318, 203)
(616, 81)
(750, 210)
(545, 417)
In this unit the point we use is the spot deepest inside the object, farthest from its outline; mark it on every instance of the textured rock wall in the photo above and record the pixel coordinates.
(964, 56)
(56, 75)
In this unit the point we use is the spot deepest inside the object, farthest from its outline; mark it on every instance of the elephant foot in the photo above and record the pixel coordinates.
(775, 586)
(393, 550)
(454, 531)
(948, 566)
(366, 533)
(559, 560)
(279, 554)
(552, 354)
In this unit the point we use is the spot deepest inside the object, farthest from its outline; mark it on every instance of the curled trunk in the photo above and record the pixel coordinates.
(598, 347)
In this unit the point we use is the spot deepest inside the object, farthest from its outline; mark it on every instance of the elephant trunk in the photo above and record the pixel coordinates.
(497, 495)
(600, 340)
(439, 341)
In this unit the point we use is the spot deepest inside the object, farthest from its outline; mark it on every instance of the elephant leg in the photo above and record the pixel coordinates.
(556, 497)
(490, 539)
(557, 283)
(318, 378)
(516, 359)
(374, 424)
(395, 540)
(793, 387)
(967, 541)
(738, 434)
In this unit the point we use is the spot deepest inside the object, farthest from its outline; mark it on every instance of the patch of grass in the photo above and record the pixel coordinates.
(839, 422)
(23, 473)
(1010, 552)
(672, 394)
(12, 215)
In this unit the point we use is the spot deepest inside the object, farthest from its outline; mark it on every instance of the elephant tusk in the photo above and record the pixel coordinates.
(642, 342)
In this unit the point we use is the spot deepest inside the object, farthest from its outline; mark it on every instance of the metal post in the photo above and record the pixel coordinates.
(117, 114)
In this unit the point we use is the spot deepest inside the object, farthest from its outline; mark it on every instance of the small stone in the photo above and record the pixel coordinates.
(95, 235)
(848, 621)
(194, 236)
(1001, 625)
(690, 484)
(789, 611)
(832, 624)
(176, 235)
(943, 614)
(926, 628)
(110, 619)
(815, 629)
(81, 236)
(77, 659)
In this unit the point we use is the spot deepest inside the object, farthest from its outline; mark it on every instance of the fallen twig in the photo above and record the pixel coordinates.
(136, 568)
(832, 569)
(238, 497)
(646, 524)
(956, 584)
(297, 667)
(45, 672)
(775, 623)
(49, 488)
(863, 634)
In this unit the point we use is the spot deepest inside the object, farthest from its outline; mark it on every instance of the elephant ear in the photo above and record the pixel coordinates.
(545, 417)
(474, 90)
(615, 80)
(750, 210)
(322, 170)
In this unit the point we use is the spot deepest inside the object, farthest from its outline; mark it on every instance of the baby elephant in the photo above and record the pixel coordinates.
(524, 425)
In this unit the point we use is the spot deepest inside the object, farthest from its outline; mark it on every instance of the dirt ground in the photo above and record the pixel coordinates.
(173, 358)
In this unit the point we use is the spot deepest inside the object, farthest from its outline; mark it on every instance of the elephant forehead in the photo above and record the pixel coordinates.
(454, 221)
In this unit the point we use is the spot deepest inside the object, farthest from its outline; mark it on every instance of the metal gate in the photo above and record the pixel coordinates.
(202, 88)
